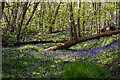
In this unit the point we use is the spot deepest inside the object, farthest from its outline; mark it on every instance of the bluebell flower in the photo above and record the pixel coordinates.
(116, 77)
(14, 69)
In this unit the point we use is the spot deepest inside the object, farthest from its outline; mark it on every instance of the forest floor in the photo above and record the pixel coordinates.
(89, 59)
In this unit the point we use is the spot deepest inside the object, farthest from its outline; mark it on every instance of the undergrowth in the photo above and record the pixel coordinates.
(88, 62)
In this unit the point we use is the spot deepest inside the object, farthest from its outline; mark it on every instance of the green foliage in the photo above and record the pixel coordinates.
(25, 62)
(94, 44)
(55, 37)
(31, 61)
(29, 47)
(115, 70)
(83, 70)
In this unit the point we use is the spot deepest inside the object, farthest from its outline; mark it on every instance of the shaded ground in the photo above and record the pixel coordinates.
(23, 62)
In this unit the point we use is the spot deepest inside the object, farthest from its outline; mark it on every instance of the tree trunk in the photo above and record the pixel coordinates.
(72, 42)
(71, 22)
(94, 13)
(119, 16)
(92, 22)
(116, 15)
(78, 21)
(21, 22)
(13, 21)
(95, 22)
(10, 23)
(53, 21)
(3, 5)
(100, 16)
(1, 10)
(105, 19)
(36, 4)
(83, 14)
(29, 19)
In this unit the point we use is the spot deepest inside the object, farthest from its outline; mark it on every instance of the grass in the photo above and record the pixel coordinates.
(31, 61)
(29, 47)
(84, 70)
(115, 71)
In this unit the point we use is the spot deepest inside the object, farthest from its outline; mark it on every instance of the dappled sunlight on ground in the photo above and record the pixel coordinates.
(23, 62)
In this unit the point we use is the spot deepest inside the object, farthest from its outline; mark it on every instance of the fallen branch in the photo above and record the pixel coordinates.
(72, 42)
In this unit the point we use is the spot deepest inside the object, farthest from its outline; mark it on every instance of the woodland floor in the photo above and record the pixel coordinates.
(28, 61)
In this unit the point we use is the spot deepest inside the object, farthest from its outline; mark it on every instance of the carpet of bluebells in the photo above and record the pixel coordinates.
(88, 59)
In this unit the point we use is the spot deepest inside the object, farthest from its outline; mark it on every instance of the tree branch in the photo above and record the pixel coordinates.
(35, 6)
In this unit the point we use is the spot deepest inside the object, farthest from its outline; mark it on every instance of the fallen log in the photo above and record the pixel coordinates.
(72, 42)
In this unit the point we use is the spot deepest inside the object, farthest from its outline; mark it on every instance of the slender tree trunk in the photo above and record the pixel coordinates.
(119, 24)
(96, 8)
(43, 14)
(94, 22)
(108, 15)
(66, 19)
(15, 12)
(21, 22)
(116, 15)
(119, 16)
(10, 23)
(40, 15)
(78, 21)
(105, 19)
(53, 21)
(36, 4)
(3, 5)
(29, 19)
(8, 12)
(1, 10)
(83, 18)
(72, 23)
(5, 38)
(19, 13)
(96, 29)
(74, 27)
(99, 16)
(111, 13)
